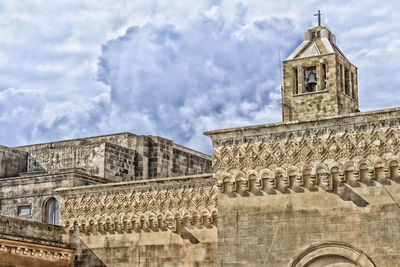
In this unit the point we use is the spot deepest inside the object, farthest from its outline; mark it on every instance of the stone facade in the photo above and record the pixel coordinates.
(290, 186)
(32, 173)
(109, 193)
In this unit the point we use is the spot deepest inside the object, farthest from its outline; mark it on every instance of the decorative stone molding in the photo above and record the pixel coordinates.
(35, 250)
(332, 249)
(159, 204)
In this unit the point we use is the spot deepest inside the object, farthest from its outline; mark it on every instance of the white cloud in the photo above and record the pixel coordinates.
(171, 68)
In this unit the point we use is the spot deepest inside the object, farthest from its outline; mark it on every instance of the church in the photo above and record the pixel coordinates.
(321, 188)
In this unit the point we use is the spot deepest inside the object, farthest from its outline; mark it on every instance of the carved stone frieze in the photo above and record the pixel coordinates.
(39, 251)
(140, 206)
(305, 156)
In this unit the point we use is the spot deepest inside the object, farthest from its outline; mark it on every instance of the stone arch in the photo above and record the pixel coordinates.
(332, 254)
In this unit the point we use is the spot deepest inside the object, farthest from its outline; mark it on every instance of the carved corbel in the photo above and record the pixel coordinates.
(145, 224)
(285, 182)
(108, 227)
(326, 181)
(136, 225)
(371, 174)
(100, 227)
(91, 227)
(386, 172)
(214, 218)
(272, 182)
(76, 226)
(244, 184)
(117, 226)
(83, 228)
(258, 183)
(161, 222)
(220, 187)
(197, 220)
(299, 180)
(313, 179)
(356, 175)
(232, 186)
(171, 223)
(187, 220)
(153, 223)
(342, 177)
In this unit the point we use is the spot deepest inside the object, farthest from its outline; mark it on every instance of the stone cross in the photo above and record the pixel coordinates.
(319, 17)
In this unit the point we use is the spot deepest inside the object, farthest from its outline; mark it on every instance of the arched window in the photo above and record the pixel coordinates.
(51, 211)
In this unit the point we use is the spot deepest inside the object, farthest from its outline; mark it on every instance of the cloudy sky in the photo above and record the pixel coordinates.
(72, 69)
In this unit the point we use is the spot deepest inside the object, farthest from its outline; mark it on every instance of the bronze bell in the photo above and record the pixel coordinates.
(311, 79)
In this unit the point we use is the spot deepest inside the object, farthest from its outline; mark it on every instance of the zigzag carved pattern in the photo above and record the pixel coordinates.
(195, 204)
(304, 149)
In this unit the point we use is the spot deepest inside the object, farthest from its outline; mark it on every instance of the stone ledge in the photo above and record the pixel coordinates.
(327, 122)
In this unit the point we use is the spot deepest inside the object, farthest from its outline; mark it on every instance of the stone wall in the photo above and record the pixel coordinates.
(286, 188)
(169, 221)
(105, 160)
(164, 158)
(259, 231)
(132, 157)
(119, 163)
(12, 162)
(35, 189)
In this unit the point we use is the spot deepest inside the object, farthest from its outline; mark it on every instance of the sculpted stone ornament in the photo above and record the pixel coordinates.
(140, 208)
(320, 153)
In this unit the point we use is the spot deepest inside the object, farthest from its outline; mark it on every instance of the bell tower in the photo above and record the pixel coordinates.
(318, 79)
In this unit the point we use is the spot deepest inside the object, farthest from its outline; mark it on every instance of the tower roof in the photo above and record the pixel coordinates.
(316, 41)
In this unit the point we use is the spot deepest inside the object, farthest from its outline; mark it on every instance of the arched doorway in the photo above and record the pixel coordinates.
(51, 211)
(332, 254)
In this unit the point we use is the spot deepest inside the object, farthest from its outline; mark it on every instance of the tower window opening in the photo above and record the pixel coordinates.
(310, 79)
(318, 34)
(313, 35)
(341, 77)
(324, 77)
(295, 81)
(346, 82)
(353, 93)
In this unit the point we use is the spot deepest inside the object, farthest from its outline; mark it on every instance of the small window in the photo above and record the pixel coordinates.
(313, 35)
(318, 34)
(24, 210)
(353, 93)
